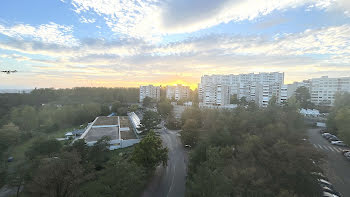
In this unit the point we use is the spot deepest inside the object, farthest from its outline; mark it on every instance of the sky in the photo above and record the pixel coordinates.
(127, 43)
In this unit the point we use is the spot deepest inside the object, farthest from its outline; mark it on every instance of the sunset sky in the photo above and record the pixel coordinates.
(127, 43)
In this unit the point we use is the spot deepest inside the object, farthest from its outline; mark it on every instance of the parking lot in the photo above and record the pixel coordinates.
(336, 166)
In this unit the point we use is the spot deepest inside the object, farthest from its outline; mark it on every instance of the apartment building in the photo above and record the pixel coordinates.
(149, 91)
(254, 87)
(177, 92)
(323, 89)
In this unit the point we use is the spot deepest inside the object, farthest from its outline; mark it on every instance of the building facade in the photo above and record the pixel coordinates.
(149, 91)
(323, 89)
(178, 92)
(218, 89)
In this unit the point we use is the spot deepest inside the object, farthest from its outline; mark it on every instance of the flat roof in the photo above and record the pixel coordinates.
(104, 120)
(95, 134)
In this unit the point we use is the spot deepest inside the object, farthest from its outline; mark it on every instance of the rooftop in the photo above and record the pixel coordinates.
(104, 120)
(95, 134)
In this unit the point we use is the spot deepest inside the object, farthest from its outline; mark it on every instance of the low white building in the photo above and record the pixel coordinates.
(117, 128)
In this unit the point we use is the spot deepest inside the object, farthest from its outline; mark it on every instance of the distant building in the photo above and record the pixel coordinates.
(178, 92)
(260, 88)
(323, 89)
(150, 91)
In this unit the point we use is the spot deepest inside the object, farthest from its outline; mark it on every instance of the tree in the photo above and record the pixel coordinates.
(57, 177)
(9, 136)
(164, 108)
(149, 121)
(133, 108)
(147, 101)
(302, 96)
(234, 99)
(98, 153)
(189, 132)
(172, 122)
(149, 153)
(121, 178)
(116, 105)
(243, 101)
(49, 148)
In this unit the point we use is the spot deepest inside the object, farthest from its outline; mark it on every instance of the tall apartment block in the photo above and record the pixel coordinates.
(150, 91)
(178, 92)
(217, 89)
(323, 89)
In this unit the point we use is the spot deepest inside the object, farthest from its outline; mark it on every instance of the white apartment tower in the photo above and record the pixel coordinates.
(254, 87)
(150, 91)
(323, 89)
(178, 92)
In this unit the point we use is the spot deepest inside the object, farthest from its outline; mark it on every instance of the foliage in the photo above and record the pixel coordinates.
(48, 148)
(164, 108)
(302, 96)
(121, 178)
(149, 153)
(234, 99)
(57, 177)
(172, 122)
(150, 121)
(9, 136)
(189, 132)
(147, 102)
(252, 152)
(338, 121)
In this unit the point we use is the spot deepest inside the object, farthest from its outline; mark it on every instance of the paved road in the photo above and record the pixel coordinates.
(336, 167)
(170, 181)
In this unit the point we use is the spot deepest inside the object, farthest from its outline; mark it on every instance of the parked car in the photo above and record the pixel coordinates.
(331, 191)
(319, 175)
(325, 183)
(326, 135)
(333, 138)
(327, 194)
(344, 151)
(323, 131)
(338, 143)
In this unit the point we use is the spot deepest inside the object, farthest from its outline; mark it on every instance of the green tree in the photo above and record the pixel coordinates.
(147, 102)
(116, 105)
(133, 108)
(189, 132)
(121, 178)
(9, 136)
(150, 121)
(302, 95)
(164, 108)
(150, 153)
(48, 148)
(234, 99)
(57, 177)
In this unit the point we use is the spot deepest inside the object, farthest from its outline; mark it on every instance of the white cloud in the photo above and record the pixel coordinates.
(85, 20)
(51, 33)
(151, 19)
(312, 51)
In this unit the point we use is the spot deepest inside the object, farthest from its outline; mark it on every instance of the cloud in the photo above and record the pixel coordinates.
(51, 33)
(85, 20)
(152, 19)
(313, 50)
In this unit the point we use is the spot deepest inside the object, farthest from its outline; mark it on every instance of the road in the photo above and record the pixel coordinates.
(170, 181)
(336, 167)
